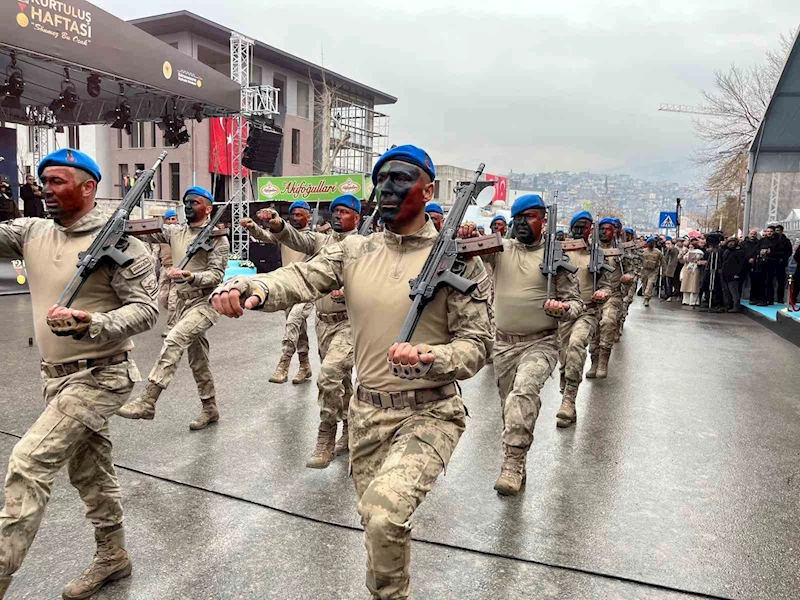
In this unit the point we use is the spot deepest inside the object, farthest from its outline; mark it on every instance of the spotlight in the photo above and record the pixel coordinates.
(93, 85)
(64, 105)
(174, 127)
(198, 112)
(14, 85)
(120, 117)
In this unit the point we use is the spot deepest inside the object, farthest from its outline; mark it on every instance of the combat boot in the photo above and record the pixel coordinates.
(592, 372)
(343, 445)
(281, 373)
(512, 473)
(143, 407)
(647, 301)
(305, 369)
(208, 414)
(111, 562)
(4, 583)
(323, 453)
(567, 415)
(602, 363)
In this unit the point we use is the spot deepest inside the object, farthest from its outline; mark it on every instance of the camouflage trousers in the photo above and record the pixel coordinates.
(610, 317)
(649, 279)
(575, 337)
(73, 431)
(335, 385)
(395, 457)
(168, 297)
(521, 370)
(194, 318)
(295, 336)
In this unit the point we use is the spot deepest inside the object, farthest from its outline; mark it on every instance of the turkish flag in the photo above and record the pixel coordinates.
(220, 155)
(500, 188)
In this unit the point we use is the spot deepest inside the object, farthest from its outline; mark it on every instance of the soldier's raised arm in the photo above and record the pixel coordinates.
(12, 238)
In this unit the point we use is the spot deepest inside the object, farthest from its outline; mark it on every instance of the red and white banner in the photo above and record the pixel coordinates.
(500, 188)
(220, 159)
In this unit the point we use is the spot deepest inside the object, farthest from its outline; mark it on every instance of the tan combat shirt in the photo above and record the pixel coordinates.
(120, 300)
(520, 290)
(581, 259)
(651, 259)
(208, 268)
(375, 272)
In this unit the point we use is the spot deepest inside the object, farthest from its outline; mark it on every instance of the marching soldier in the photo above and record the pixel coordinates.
(611, 313)
(576, 333)
(334, 337)
(295, 335)
(87, 369)
(651, 261)
(527, 344)
(403, 428)
(194, 315)
(499, 225)
(629, 291)
(436, 214)
(167, 297)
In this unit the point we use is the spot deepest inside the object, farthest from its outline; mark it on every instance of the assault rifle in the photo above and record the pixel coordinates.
(366, 226)
(112, 241)
(713, 265)
(444, 264)
(554, 258)
(203, 239)
(597, 260)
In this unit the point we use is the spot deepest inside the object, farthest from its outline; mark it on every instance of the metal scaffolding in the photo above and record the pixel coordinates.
(774, 197)
(358, 136)
(240, 73)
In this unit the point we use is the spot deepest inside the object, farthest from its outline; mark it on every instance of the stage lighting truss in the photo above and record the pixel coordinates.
(93, 85)
(64, 105)
(120, 117)
(14, 85)
(174, 127)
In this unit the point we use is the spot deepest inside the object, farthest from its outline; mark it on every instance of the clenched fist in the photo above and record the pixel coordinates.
(627, 278)
(410, 362)
(68, 322)
(272, 219)
(234, 296)
(248, 223)
(181, 276)
(600, 296)
(468, 229)
(338, 296)
(556, 309)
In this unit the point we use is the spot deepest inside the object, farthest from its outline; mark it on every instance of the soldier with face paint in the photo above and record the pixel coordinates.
(87, 371)
(295, 335)
(527, 343)
(403, 430)
(611, 313)
(194, 315)
(436, 214)
(334, 337)
(576, 333)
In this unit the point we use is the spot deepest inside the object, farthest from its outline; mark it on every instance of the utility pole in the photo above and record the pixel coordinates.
(677, 218)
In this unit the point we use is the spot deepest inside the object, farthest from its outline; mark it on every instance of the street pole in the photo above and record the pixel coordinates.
(678, 218)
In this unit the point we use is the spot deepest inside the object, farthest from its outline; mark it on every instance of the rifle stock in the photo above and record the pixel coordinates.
(111, 243)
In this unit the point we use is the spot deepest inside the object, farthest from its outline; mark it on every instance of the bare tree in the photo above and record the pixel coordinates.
(736, 105)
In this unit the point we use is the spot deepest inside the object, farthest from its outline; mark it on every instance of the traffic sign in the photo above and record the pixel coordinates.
(668, 220)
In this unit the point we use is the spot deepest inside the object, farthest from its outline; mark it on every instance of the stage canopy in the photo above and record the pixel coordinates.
(39, 39)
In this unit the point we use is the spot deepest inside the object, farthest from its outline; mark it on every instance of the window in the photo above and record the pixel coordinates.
(74, 135)
(279, 84)
(153, 135)
(256, 74)
(303, 107)
(175, 181)
(436, 189)
(119, 138)
(174, 45)
(31, 138)
(137, 135)
(295, 146)
(124, 181)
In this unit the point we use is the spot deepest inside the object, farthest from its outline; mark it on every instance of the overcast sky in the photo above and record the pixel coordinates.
(570, 84)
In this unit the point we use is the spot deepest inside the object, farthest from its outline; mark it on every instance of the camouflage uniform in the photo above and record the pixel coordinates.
(629, 289)
(651, 260)
(402, 432)
(527, 344)
(167, 295)
(84, 380)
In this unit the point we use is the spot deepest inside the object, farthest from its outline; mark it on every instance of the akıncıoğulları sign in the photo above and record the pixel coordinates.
(323, 188)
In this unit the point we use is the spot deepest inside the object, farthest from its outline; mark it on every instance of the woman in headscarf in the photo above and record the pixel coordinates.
(691, 275)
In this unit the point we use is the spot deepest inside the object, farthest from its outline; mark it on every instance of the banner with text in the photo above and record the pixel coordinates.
(323, 188)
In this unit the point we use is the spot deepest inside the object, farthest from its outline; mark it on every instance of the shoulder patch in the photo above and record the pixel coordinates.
(140, 266)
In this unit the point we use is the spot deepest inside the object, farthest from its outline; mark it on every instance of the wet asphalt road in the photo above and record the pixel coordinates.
(683, 473)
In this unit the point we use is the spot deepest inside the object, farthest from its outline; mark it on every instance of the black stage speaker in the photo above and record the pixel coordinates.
(262, 149)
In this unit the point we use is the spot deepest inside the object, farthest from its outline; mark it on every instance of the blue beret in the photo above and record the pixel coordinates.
(617, 222)
(481, 228)
(630, 230)
(69, 157)
(298, 204)
(606, 221)
(651, 239)
(348, 201)
(584, 214)
(669, 238)
(407, 153)
(498, 218)
(559, 231)
(170, 213)
(525, 202)
(433, 207)
(196, 190)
